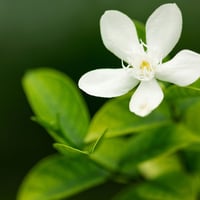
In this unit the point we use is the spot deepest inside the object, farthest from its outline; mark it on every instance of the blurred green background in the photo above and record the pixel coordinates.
(62, 34)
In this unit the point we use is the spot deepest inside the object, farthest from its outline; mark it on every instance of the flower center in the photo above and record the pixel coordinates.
(145, 64)
(141, 70)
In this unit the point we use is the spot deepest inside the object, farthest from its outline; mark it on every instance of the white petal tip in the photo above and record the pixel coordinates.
(170, 5)
(80, 84)
(142, 110)
(182, 70)
(110, 11)
(119, 34)
(165, 22)
(146, 98)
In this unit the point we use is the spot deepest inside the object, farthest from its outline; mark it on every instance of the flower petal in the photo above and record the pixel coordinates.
(182, 70)
(119, 34)
(163, 30)
(107, 82)
(146, 98)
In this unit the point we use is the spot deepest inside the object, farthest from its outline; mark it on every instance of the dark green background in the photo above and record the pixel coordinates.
(62, 34)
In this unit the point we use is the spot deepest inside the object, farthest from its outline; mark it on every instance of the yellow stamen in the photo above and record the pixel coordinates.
(145, 65)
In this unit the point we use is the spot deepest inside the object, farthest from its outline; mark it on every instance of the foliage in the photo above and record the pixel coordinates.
(152, 158)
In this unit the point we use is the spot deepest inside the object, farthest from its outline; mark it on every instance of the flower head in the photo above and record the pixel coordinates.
(140, 66)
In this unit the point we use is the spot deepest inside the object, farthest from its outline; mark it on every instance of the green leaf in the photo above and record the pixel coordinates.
(71, 151)
(109, 153)
(97, 143)
(175, 92)
(151, 152)
(58, 176)
(118, 120)
(57, 104)
(171, 186)
(154, 168)
(191, 118)
(192, 159)
(151, 144)
(181, 98)
(192, 162)
(68, 150)
(195, 85)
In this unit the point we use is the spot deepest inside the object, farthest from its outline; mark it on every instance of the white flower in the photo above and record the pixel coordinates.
(163, 30)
